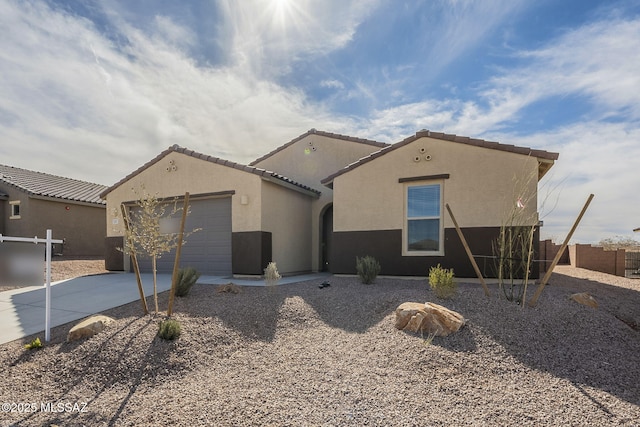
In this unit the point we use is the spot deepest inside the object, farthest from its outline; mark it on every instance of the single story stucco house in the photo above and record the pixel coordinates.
(32, 202)
(322, 199)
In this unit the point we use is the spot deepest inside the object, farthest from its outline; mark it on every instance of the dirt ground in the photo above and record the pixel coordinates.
(67, 268)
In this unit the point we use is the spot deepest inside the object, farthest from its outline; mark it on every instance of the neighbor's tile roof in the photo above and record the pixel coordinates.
(275, 177)
(45, 185)
(540, 154)
(321, 133)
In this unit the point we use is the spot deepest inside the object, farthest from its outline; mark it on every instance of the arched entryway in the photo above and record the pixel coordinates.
(326, 237)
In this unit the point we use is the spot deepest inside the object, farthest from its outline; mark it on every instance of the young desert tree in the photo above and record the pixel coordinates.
(513, 248)
(144, 235)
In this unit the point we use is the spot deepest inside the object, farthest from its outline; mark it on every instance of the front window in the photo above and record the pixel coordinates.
(423, 232)
(15, 210)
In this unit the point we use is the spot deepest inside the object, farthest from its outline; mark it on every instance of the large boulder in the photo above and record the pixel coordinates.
(430, 318)
(89, 327)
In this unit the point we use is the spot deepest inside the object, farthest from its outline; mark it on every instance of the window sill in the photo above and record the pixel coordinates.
(15, 217)
(430, 253)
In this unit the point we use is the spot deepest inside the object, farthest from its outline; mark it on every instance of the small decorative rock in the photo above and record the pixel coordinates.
(89, 327)
(585, 299)
(229, 288)
(429, 317)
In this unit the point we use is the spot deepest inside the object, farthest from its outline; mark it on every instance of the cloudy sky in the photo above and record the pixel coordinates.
(93, 89)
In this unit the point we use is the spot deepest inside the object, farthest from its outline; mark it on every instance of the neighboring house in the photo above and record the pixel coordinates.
(32, 202)
(322, 199)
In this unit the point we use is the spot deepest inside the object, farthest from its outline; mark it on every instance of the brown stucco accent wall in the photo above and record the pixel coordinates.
(113, 258)
(250, 252)
(386, 247)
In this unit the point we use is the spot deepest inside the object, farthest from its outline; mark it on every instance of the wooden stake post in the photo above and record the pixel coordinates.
(547, 275)
(469, 254)
(176, 263)
(134, 259)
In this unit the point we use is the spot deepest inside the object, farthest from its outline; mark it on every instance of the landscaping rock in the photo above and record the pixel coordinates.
(431, 318)
(229, 288)
(585, 299)
(88, 327)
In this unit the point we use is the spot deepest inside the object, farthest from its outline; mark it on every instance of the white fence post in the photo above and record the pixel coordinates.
(47, 315)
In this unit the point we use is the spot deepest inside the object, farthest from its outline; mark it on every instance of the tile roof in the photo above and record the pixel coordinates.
(57, 187)
(268, 175)
(321, 133)
(540, 154)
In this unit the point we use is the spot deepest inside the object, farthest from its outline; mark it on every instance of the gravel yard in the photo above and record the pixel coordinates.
(300, 355)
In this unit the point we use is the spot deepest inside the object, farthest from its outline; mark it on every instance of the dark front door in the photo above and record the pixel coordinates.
(327, 237)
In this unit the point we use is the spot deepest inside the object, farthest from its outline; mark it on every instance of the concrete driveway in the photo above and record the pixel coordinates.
(22, 311)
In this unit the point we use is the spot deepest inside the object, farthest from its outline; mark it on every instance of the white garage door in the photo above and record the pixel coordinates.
(208, 250)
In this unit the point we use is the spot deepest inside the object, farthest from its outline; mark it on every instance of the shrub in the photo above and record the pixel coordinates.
(271, 275)
(169, 329)
(441, 282)
(187, 277)
(35, 344)
(367, 268)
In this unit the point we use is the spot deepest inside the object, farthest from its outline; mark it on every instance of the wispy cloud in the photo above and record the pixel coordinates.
(268, 36)
(64, 84)
(455, 27)
(599, 61)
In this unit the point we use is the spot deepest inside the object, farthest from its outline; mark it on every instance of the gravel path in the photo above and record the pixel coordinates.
(300, 355)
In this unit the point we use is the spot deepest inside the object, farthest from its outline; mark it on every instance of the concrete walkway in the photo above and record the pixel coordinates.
(22, 311)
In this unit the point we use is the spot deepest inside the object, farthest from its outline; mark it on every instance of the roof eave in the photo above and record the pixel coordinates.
(278, 181)
(142, 168)
(319, 133)
(543, 167)
(544, 157)
(101, 204)
(267, 175)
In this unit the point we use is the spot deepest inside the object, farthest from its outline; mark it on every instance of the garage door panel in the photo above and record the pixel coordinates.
(209, 249)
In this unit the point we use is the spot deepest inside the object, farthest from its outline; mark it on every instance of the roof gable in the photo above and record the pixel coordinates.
(52, 186)
(265, 174)
(545, 158)
(320, 133)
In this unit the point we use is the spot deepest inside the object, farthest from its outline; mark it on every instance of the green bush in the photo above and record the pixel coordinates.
(35, 344)
(169, 329)
(441, 282)
(368, 268)
(187, 277)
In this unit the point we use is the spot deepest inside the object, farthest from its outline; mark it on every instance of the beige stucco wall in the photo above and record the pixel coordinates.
(310, 160)
(81, 226)
(287, 215)
(197, 177)
(480, 189)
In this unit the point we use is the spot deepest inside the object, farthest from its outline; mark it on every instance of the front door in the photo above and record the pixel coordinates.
(327, 237)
